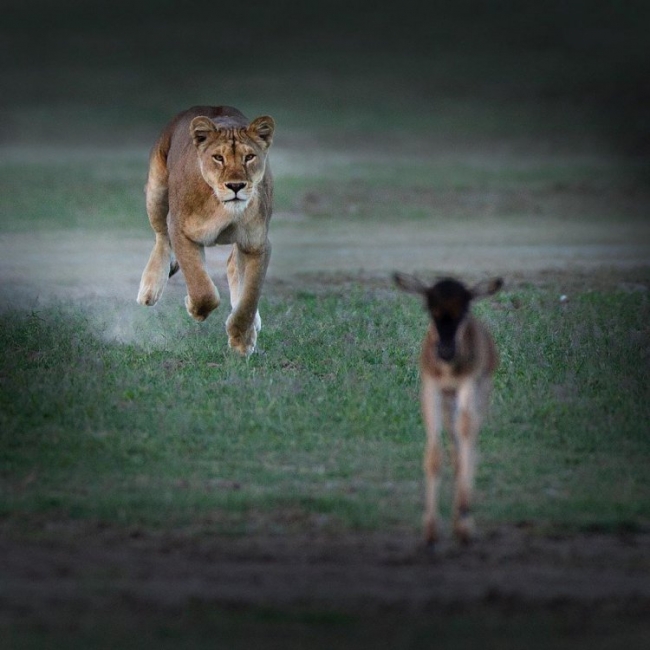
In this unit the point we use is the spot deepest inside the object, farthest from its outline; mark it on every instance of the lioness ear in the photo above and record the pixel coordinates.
(200, 129)
(409, 283)
(263, 128)
(486, 287)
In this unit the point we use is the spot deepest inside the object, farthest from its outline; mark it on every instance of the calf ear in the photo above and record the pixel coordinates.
(263, 128)
(409, 283)
(486, 287)
(201, 128)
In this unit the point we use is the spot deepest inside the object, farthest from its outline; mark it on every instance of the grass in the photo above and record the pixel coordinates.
(69, 190)
(170, 428)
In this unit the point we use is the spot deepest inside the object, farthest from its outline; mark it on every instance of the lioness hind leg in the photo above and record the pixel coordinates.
(159, 268)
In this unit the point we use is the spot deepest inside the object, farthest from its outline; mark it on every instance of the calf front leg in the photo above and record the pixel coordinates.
(465, 434)
(431, 402)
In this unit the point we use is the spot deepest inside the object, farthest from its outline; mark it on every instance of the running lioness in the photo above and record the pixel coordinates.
(210, 183)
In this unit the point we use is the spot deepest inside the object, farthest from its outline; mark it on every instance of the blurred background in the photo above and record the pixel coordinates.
(111, 72)
(422, 113)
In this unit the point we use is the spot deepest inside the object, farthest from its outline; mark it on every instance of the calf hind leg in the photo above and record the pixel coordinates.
(430, 400)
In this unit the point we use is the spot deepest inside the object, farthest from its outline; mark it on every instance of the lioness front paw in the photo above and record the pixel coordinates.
(201, 309)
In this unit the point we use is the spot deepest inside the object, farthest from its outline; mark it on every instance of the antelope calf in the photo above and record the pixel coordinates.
(457, 362)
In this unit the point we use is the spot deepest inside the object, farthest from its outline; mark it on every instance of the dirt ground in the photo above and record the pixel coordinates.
(92, 570)
(354, 572)
(38, 266)
(592, 590)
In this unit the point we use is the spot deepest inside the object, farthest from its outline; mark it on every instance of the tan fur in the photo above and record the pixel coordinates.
(465, 387)
(204, 158)
(455, 394)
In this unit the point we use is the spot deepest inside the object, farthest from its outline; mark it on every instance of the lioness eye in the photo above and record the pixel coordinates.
(217, 158)
(249, 156)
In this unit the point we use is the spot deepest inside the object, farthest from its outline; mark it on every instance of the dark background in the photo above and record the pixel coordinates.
(112, 72)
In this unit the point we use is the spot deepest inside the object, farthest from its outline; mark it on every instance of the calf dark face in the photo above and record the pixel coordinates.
(448, 303)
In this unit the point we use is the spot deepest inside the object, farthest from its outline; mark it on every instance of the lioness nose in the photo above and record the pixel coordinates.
(235, 187)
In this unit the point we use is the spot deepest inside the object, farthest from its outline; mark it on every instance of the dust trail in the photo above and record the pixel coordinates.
(97, 275)
(127, 323)
(100, 271)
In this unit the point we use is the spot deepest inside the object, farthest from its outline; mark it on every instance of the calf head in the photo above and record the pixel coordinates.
(448, 303)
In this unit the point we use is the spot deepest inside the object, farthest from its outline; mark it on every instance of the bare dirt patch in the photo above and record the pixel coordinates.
(113, 588)
(354, 572)
(81, 264)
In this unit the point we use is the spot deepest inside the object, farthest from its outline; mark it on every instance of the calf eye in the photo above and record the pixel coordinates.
(249, 156)
(217, 158)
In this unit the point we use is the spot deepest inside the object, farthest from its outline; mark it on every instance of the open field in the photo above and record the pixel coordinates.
(158, 492)
(298, 516)
(143, 506)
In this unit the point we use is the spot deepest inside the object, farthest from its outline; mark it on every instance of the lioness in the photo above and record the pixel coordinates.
(209, 183)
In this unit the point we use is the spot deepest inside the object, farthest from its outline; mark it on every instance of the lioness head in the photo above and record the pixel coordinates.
(232, 159)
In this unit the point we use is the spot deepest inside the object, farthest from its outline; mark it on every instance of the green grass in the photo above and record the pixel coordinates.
(53, 190)
(170, 428)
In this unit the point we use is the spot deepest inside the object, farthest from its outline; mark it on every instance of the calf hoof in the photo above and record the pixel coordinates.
(430, 533)
(464, 528)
